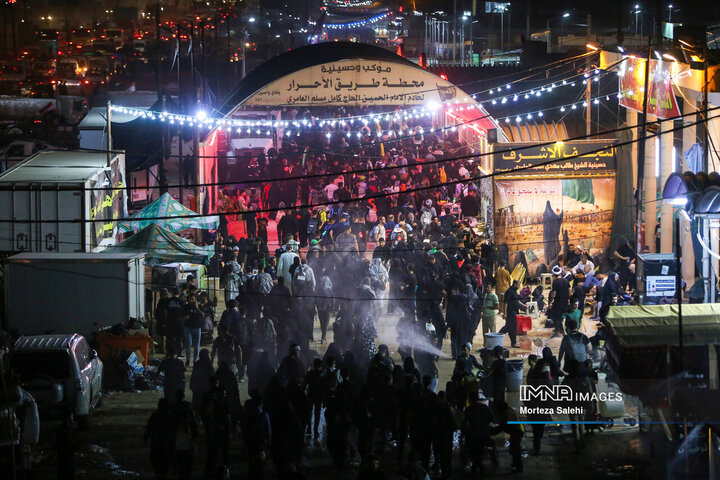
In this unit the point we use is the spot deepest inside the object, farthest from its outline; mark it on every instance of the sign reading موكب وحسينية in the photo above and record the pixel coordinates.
(357, 82)
(560, 157)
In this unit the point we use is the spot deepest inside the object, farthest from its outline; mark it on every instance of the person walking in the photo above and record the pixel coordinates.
(202, 372)
(186, 433)
(161, 319)
(174, 375)
(490, 309)
(174, 322)
(502, 283)
(513, 306)
(314, 385)
(476, 427)
(256, 431)
(560, 294)
(194, 318)
(509, 422)
(538, 375)
(159, 431)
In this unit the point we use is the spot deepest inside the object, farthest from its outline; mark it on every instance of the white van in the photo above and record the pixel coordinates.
(61, 372)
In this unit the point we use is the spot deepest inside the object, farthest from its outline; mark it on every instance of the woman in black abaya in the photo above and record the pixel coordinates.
(552, 223)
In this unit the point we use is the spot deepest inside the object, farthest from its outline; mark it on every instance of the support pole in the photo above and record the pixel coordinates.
(108, 116)
(678, 290)
(642, 130)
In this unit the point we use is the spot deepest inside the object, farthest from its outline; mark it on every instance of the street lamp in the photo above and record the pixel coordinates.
(670, 8)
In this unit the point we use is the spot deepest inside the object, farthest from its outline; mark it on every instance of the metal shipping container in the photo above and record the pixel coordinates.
(72, 292)
(62, 201)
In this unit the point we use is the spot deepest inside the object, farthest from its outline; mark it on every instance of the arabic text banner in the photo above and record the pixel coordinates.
(108, 204)
(559, 157)
(661, 100)
(357, 82)
(537, 219)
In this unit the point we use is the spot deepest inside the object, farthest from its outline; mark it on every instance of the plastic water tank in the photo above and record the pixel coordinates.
(493, 340)
(514, 374)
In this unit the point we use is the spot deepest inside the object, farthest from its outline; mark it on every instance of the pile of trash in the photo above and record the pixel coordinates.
(125, 372)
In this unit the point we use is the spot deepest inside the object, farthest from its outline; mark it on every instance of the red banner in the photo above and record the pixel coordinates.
(661, 101)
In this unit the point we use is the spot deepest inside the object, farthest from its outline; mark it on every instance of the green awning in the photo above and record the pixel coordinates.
(170, 214)
(161, 246)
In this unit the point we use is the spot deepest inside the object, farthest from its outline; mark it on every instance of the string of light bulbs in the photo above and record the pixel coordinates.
(163, 116)
(358, 23)
(204, 121)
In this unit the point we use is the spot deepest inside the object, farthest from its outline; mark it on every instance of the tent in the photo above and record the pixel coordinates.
(170, 214)
(162, 246)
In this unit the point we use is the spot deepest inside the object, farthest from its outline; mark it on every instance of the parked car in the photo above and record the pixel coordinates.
(61, 372)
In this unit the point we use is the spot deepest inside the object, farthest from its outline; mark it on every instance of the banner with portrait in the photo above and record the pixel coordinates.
(661, 100)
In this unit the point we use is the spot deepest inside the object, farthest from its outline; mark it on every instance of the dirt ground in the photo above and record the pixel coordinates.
(113, 447)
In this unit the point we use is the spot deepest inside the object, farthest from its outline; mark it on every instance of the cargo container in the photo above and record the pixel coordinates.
(62, 201)
(72, 292)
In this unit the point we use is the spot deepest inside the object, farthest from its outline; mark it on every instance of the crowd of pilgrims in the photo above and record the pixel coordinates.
(431, 267)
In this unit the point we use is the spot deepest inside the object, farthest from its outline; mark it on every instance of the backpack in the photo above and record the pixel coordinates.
(426, 217)
(326, 285)
(302, 280)
(264, 284)
(578, 351)
(312, 226)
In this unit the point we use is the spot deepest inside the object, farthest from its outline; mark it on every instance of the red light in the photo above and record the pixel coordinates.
(87, 81)
(443, 76)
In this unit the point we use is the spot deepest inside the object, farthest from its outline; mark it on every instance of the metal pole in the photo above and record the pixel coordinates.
(454, 32)
(244, 52)
(108, 116)
(706, 140)
(588, 90)
(642, 133)
(502, 28)
(161, 97)
(678, 291)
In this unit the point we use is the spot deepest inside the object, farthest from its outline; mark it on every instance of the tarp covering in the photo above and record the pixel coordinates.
(161, 246)
(166, 206)
(640, 325)
(640, 337)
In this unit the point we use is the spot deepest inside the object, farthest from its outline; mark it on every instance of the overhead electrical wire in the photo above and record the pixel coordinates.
(385, 194)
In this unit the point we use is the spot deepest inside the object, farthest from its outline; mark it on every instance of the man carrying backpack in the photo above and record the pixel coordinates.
(227, 350)
(574, 348)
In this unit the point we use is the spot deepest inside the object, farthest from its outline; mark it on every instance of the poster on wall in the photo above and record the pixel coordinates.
(107, 205)
(357, 82)
(536, 220)
(661, 100)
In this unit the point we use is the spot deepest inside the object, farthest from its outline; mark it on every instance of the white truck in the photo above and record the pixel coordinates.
(68, 109)
(72, 292)
(62, 202)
